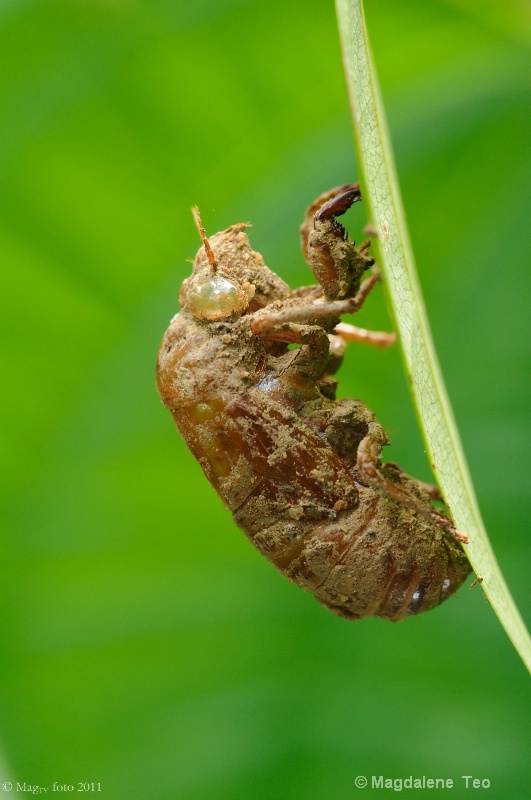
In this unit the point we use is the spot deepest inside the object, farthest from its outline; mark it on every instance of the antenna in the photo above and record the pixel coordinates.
(202, 234)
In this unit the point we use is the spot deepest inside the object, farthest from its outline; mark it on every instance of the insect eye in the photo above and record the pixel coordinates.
(216, 298)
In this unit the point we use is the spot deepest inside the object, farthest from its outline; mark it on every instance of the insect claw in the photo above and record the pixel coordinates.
(340, 202)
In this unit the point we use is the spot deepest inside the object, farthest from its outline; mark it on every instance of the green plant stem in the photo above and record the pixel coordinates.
(382, 195)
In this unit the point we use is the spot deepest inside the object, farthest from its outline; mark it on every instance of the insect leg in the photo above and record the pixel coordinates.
(430, 489)
(368, 462)
(321, 203)
(427, 488)
(335, 261)
(312, 357)
(351, 333)
(348, 333)
(308, 313)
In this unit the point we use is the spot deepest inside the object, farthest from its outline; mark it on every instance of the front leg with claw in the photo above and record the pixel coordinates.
(336, 262)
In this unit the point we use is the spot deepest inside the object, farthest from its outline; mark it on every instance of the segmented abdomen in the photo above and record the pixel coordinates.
(357, 551)
(377, 559)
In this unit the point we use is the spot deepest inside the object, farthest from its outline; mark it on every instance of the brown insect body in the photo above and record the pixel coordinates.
(300, 470)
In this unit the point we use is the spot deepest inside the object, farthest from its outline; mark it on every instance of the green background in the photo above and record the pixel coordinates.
(144, 643)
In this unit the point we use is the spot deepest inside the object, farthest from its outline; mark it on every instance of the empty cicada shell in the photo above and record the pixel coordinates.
(300, 470)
